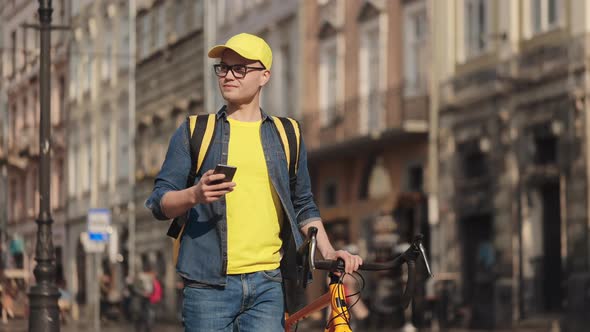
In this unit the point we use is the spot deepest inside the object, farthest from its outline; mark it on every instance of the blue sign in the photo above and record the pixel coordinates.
(99, 224)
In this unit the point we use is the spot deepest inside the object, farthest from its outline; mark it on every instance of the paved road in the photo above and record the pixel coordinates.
(21, 326)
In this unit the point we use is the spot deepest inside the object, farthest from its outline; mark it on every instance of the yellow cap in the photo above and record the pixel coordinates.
(248, 46)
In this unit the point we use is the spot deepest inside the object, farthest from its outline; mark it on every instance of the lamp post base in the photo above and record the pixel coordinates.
(44, 311)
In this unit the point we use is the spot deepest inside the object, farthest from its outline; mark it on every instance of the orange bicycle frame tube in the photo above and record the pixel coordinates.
(339, 318)
(335, 297)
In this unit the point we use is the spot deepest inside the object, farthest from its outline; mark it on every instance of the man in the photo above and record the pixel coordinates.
(232, 246)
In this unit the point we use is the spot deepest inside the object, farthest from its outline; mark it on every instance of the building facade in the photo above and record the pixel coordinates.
(169, 87)
(365, 124)
(20, 152)
(100, 140)
(511, 233)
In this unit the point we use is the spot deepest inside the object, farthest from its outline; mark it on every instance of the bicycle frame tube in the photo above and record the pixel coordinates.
(317, 305)
(339, 314)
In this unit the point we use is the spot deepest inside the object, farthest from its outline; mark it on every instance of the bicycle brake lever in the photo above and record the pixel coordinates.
(423, 253)
(312, 248)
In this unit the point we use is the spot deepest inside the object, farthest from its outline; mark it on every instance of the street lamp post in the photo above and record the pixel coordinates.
(44, 313)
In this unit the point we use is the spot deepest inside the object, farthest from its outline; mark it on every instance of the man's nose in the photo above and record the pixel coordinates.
(230, 72)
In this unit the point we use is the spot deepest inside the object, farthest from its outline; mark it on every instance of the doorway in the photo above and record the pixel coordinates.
(479, 260)
(551, 261)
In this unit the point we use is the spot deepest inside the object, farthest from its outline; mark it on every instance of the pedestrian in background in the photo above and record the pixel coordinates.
(237, 231)
(140, 307)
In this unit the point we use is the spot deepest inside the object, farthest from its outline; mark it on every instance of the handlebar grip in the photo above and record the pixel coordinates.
(330, 265)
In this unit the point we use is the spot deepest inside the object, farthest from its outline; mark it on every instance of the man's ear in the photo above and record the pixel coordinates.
(264, 77)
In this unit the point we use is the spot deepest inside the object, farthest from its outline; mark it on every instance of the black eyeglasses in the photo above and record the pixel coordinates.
(239, 70)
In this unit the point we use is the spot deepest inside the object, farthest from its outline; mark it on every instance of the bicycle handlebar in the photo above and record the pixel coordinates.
(307, 255)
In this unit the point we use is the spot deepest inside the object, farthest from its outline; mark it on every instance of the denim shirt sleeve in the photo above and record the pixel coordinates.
(306, 210)
(174, 172)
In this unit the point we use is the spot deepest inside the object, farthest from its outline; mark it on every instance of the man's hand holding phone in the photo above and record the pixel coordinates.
(214, 184)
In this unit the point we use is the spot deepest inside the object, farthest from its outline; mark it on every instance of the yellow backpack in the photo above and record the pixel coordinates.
(201, 132)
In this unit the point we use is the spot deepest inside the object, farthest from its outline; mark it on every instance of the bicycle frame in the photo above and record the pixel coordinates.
(335, 297)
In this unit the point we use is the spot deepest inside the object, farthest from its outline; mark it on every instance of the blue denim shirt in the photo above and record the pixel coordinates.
(203, 251)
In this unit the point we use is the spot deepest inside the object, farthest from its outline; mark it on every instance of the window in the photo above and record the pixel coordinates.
(328, 80)
(89, 160)
(81, 72)
(17, 199)
(545, 15)
(371, 111)
(62, 11)
(123, 146)
(30, 42)
(61, 86)
(477, 27)
(85, 71)
(144, 47)
(85, 163)
(90, 73)
(415, 178)
(13, 130)
(221, 12)
(108, 51)
(28, 112)
(123, 52)
(198, 14)
(75, 7)
(180, 19)
(84, 171)
(415, 52)
(330, 194)
(161, 27)
(72, 171)
(105, 149)
(13, 51)
(23, 58)
(13, 199)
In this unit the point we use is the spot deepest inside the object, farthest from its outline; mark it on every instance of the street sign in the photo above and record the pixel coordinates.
(99, 224)
(91, 246)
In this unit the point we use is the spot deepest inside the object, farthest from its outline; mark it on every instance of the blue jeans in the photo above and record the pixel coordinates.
(249, 302)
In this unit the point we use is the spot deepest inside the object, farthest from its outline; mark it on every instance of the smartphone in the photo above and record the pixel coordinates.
(229, 172)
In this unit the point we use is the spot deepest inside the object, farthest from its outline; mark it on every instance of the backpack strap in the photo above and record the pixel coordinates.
(291, 141)
(201, 130)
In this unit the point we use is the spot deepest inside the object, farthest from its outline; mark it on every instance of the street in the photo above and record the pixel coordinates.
(19, 325)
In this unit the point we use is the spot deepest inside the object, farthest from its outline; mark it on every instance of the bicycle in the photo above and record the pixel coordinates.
(335, 297)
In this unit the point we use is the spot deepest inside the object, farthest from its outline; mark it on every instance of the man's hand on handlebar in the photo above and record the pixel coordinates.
(351, 262)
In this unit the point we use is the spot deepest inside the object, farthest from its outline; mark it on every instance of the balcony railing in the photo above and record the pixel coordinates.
(531, 66)
(364, 116)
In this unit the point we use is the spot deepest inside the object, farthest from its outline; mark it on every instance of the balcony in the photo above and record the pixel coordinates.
(377, 118)
(540, 61)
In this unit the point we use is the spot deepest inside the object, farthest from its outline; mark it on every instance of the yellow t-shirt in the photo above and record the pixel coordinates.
(254, 211)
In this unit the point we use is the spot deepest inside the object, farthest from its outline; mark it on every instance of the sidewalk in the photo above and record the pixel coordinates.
(20, 325)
